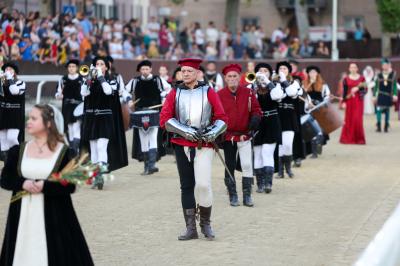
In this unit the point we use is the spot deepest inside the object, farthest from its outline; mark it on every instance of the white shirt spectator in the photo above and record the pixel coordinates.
(128, 49)
(107, 32)
(70, 29)
(116, 50)
(277, 33)
(118, 30)
(199, 35)
(212, 35)
(153, 28)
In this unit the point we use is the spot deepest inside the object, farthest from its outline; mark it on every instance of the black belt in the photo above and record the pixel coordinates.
(286, 106)
(270, 113)
(11, 105)
(72, 101)
(99, 111)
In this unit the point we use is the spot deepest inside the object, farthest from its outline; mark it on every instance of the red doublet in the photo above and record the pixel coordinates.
(168, 112)
(237, 109)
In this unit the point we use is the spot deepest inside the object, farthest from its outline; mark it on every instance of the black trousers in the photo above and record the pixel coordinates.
(186, 176)
(230, 151)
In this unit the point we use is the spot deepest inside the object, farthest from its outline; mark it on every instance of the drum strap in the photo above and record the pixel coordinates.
(286, 106)
(270, 113)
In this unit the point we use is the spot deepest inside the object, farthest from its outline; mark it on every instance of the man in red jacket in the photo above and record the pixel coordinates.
(194, 113)
(244, 115)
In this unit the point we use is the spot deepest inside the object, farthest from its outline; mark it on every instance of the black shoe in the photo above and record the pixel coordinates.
(205, 222)
(297, 162)
(146, 164)
(152, 161)
(269, 172)
(3, 156)
(287, 161)
(314, 151)
(231, 187)
(246, 186)
(378, 127)
(281, 173)
(190, 220)
(386, 128)
(260, 180)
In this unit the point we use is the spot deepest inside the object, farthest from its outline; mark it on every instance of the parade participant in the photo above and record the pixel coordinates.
(166, 80)
(42, 227)
(12, 109)
(244, 115)
(214, 78)
(177, 77)
(250, 69)
(288, 116)
(369, 76)
(147, 89)
(269, 133)
(318, 91)
(385, 93)
(194, 113)
(299, 152)
(69, 91)
(353, 102)
(99, 130)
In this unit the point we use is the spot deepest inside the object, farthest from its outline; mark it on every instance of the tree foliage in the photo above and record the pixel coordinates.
(389, 11)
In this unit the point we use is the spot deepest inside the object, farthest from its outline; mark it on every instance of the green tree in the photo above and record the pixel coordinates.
(389, 11)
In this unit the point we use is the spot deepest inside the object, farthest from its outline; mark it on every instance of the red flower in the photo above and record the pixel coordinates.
(64, 182)
(56, 176)
(89, 181)
(95, 173)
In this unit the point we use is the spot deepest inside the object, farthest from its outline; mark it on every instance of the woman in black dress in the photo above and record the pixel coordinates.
(42, 227)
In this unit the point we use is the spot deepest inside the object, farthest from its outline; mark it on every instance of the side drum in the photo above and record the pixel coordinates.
(328, 118)
(145, 119)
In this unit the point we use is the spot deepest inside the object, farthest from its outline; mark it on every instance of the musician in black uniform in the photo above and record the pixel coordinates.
(69, 91)
(269, 133)
(146, 89)
(99, 133)
(288, 116)
(12, 109)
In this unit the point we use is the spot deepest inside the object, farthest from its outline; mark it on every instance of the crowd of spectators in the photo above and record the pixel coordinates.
(55, 39)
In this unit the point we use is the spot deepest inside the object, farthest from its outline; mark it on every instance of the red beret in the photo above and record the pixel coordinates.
(190, 62)
(232, 67)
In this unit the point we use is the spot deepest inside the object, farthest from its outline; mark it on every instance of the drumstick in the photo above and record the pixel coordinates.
(155, 106)
(134, 103)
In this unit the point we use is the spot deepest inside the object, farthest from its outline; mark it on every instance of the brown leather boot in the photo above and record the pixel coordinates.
(190, 219)
(205, 214)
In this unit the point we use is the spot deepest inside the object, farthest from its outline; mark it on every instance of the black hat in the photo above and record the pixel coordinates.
(292, 61)
(12, 65)
(298, 78)
(72, 61)
(102, 58)
(283, 63)
(309, 68)
(201, 68)
(263, 65)
(143, 63)
(110, 59)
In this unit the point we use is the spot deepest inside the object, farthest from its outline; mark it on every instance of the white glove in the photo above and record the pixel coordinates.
(300, 92)
(9, 75)
(292, 89)
(59, 96)
(99, 72)
(277, 93)
(163, 94)
(262, 79)
(282, 77)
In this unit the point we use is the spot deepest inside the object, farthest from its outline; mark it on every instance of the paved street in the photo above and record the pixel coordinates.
(326, 215)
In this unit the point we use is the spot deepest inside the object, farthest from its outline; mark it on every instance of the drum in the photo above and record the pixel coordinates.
(328, 117)
(309, 127)
(78, 111)
(145, 119)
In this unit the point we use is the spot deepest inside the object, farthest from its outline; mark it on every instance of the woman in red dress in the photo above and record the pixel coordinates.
(353, 129)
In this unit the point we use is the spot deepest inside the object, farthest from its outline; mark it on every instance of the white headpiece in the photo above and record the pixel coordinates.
(58, 119)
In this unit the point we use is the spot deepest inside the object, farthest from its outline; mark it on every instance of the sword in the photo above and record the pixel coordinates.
(216, 148)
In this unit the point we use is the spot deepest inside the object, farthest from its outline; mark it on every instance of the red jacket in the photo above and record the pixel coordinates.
(239, 109)
(168, 112)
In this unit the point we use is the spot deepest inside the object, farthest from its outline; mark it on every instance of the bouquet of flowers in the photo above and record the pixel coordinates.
(79, 171)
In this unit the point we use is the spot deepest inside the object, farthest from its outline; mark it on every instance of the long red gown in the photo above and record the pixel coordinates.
(353, 128)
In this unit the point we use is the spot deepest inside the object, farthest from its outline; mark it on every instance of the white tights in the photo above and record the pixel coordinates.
(286, 149)
(74, 130)
(264, 155)
(98, 150)
(8, 138)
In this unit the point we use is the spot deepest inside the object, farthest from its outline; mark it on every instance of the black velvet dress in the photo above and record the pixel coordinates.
(66, 244)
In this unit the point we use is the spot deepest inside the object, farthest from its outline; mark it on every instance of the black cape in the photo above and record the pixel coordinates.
(66, 244)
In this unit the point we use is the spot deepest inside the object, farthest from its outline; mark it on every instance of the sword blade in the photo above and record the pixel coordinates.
(216, 148)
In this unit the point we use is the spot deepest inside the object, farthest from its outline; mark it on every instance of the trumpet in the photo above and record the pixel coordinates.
(88, 72)
(250, 77)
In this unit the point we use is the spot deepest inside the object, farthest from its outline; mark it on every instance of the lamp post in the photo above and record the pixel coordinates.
(335, 52)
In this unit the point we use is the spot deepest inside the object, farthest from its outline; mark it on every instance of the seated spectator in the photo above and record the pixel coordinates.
(280, 49)
(73, 45)
(128, 49)
(322, 50)
(14, 49)
(115, 48)
(238, 48)
(306, 50)
(294, 48)
(152, 52)
(211, 52)
(25, 47)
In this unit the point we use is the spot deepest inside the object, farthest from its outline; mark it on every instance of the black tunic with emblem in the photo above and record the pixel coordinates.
(385, 90)
(12, 110)
(148, 91)
(66, 244)
(288, 114)
(71, 98)
(270, 126)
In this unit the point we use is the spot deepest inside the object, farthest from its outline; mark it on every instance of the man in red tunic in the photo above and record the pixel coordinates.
(244, 115)
(194, 113)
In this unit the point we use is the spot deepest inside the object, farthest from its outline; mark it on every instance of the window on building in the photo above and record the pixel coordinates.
(250, 21)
